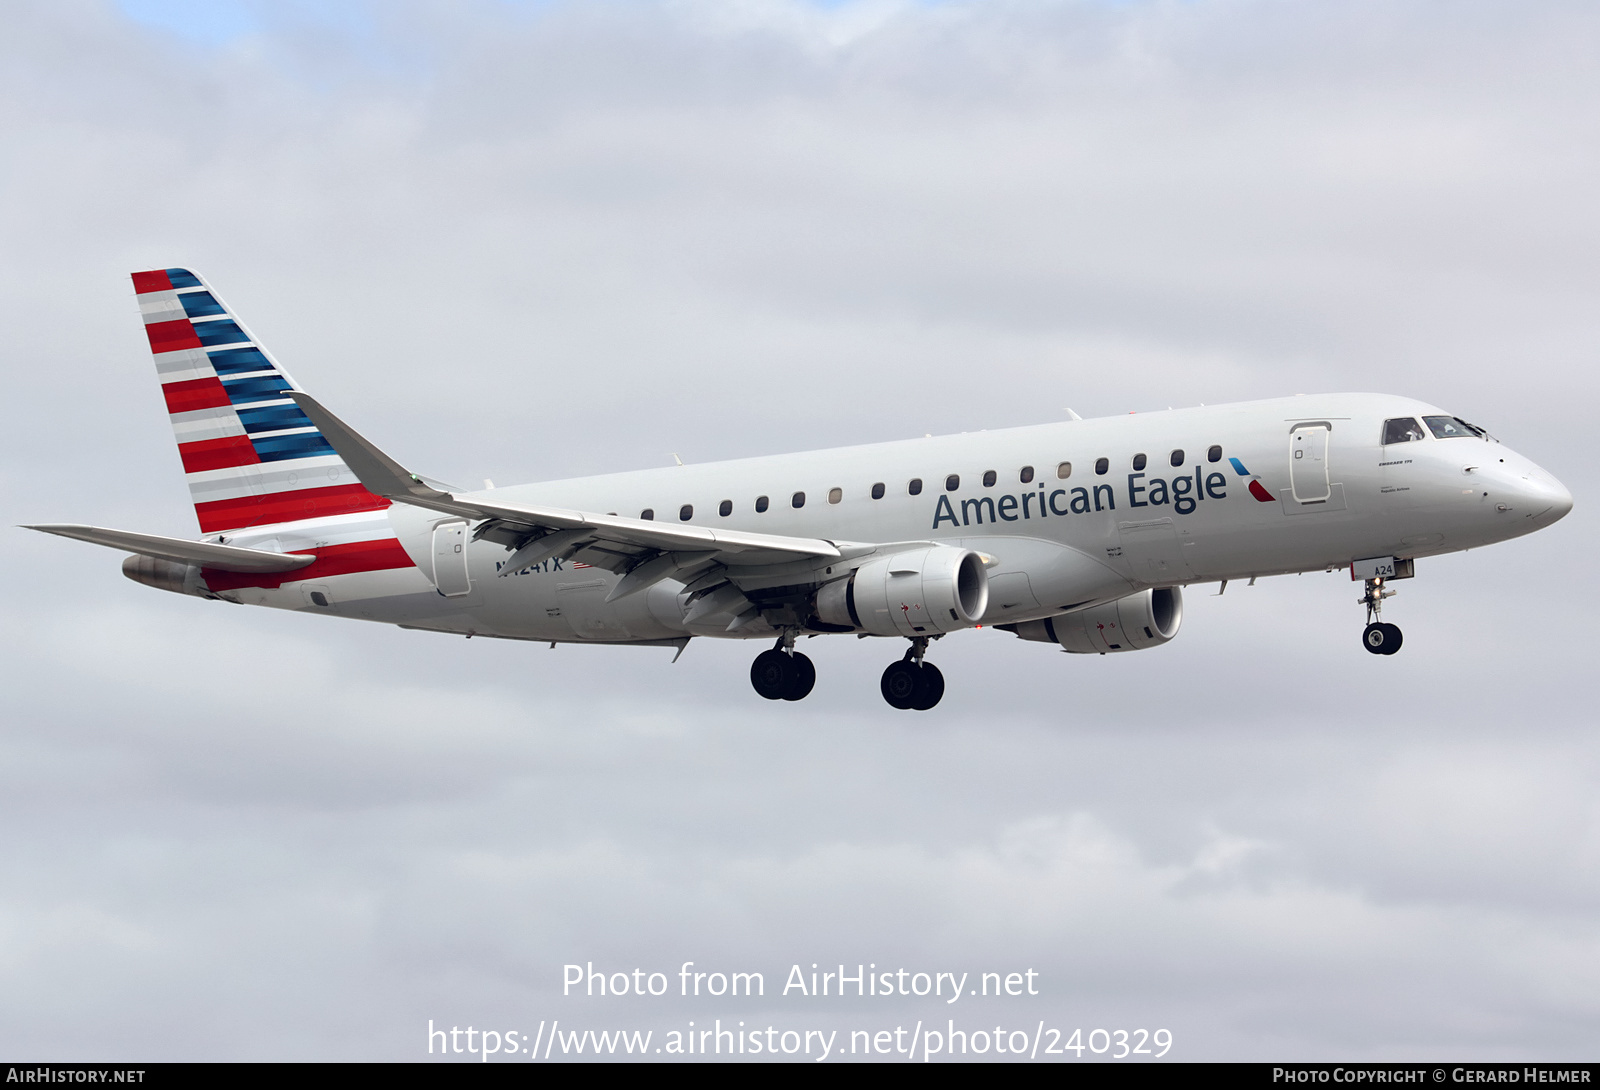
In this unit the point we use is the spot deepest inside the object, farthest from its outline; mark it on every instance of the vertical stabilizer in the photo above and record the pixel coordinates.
(251, 456)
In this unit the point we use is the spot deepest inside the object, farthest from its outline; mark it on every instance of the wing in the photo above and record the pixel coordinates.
(644, 552)
(179, 551)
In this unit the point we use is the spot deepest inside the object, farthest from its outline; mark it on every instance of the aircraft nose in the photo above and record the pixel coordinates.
(1545, 499)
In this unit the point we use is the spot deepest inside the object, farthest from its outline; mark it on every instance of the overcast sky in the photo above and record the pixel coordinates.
(526, 241)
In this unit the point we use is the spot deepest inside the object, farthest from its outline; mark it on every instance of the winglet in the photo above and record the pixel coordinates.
(380, 473)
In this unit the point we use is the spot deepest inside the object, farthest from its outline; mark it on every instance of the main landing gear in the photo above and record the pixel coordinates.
(783, 673)
(911, 684)
(1378, 637)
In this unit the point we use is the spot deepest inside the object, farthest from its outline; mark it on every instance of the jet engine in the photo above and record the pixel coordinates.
(1147, 619)
(914, 593)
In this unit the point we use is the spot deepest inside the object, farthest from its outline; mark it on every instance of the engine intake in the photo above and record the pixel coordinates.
(1147, 619)
(937, 589)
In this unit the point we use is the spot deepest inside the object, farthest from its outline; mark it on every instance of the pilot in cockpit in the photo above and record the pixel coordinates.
(1404, 429)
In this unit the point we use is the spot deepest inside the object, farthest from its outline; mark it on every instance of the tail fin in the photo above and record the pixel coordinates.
(251, 456)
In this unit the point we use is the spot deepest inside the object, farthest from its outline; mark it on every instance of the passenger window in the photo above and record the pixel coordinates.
(1064, 470)
(1177, 458)
(835, 495)
(686, 512)
(877, 491)
(1402, 429)
(797, 500)
(915, 487)
(952, 482)
(1214, 454)
(1102, 466)
(1027, 474)
(647, 514)
(1138, 462)
(725, 508)
(989, 477)
(761, 504)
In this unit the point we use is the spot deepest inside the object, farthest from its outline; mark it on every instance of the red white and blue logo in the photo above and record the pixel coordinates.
(1257, 489)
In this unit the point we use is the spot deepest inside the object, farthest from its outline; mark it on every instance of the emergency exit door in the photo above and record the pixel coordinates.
(450, 559)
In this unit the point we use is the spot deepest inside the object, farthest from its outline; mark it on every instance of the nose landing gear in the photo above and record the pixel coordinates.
(783, 673)
(911, 684)
(1378, 637)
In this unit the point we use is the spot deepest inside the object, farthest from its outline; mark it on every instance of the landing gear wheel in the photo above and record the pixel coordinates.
(777, 675)
(1395, 639)
(930, 688)
(805, 676)
(1381, 639)
(900, 685)
(773, 675)
(912, 687)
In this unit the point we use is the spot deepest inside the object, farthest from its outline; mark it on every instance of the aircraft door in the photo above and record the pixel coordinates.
(450, 559)
(1308, 463)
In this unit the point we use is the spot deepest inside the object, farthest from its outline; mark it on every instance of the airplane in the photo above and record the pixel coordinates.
(1079, 533)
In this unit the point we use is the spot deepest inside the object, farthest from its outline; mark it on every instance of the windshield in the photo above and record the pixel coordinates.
(1452, 427)
(1403, 429)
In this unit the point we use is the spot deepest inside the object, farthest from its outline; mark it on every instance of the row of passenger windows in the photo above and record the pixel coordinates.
(1102, 466)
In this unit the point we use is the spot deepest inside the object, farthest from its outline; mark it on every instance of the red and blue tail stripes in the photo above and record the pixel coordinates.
(252, 457)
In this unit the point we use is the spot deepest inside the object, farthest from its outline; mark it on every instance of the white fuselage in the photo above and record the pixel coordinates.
(1327, 492)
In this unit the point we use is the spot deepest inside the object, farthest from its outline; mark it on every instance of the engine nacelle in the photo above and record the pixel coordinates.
(166, 575)
(1147, 619)
(914, 593)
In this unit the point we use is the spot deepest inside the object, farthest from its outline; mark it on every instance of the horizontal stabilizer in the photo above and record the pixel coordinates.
(179, 551)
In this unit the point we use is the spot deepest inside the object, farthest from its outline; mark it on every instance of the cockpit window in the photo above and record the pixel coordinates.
(1403, 429)
(1452, 427)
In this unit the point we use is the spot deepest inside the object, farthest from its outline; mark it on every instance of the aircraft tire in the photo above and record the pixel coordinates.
(804, 679)
(901, 683)
(772, 675)
(930, 688)
(1392, 644)
(1378, 639)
